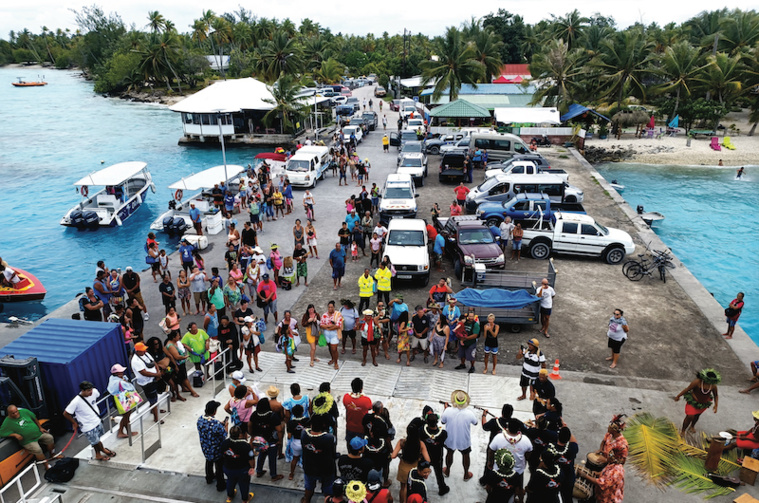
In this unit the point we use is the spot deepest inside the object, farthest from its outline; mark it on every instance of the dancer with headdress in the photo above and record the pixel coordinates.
(699, 396)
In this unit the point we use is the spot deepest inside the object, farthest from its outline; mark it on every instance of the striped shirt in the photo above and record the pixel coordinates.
(532, 364)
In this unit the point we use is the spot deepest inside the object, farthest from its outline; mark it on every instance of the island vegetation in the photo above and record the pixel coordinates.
(700, 69)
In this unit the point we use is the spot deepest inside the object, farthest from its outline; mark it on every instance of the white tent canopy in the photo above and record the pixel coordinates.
(113, 175)
(208, 178)
(228, 96)
(527, 115)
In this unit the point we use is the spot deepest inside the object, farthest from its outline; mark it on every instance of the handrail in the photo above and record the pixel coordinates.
(211, 371)
(16, 483)
(156, 445)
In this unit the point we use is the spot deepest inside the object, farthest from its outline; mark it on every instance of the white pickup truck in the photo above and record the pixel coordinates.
(526, 168)
(577, 235)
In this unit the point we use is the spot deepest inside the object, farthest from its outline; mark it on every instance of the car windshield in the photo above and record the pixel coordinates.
(475, 236)
(352, 100)
(603, 229)
(299, 166)
(398, 193)
(416, 122)
(405, 238)
(487, 184)
(411, 162)
(409, 108)
(412, 146)
(348, 130)
(408, 135)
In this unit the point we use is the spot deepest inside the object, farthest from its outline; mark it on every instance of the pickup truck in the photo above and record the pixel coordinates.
(435, 144)
(468, 241)
(344, 109)
(538, 159)
(577, 235)
(347, 130)
(525, 168)
(525, 207)
(452, 168)
(461, 146)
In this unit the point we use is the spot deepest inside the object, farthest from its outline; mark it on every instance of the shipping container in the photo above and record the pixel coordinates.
(69, 352)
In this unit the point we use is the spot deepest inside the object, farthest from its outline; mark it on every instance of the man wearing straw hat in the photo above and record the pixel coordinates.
(534, 360)
(459, 419)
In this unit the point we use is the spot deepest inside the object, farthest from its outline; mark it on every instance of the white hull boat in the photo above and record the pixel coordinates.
(125, 187)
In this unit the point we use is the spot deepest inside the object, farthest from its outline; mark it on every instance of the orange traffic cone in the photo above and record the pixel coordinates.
(555, 372)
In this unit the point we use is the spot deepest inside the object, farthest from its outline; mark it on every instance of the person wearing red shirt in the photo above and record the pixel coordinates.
(356, 406)
(431, 233)
(455, 209)
(732, 313)
(439, 292)
(461, 191)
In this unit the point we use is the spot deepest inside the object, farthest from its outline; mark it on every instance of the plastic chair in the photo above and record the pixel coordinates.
(727, 142)
(650, 133)
(715, 143)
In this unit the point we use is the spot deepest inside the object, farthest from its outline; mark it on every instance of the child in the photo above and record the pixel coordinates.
(354, 251)
(163, 259)
(230, 256)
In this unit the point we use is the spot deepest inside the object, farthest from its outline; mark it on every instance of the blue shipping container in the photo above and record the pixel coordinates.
(69, 352)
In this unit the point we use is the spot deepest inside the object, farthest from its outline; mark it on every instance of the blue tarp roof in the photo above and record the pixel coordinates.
(489, 89)
(496, 298)
(576, 109)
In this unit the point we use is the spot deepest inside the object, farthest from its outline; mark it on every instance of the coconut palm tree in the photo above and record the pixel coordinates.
(487, 50)
(623, 62)
(740, 31)
(569, 27)
(455, 66)
(722, 76)
(557, 71)
(286, 107)
(329, 71)
(199, 32)
(156, 21)
(279, 56)
(680, 65)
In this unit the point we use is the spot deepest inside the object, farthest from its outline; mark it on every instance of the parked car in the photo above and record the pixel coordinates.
(398, 139)
(414, 165)
(525, 207)
(345, 109)
(339, 99)
(411, 147)
(370, 119)
(506, 187)
(356, 130)
(468, 241)
(461, 147)
(354, 103)
(452, 168)
(395, 105)
(538, 159)
(398, 198)
(525, 168)
(577, 235)
(346, 92)
(433, 145)
(380, 92)
(407, 248)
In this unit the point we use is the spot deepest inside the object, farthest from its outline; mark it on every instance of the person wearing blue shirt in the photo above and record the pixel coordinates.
(197, 222)
(337, 262)
(352, 219)
(451, 312)
(185, 251)
(229, 204)
(396, 306)
(437, 251)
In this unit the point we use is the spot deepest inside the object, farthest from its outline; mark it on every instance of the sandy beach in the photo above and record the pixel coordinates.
(674, 150)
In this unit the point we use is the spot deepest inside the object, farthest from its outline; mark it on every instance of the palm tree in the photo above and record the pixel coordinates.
(740, 31)
(680, 66)
(156, 21)
(199, 32)
(623, 61)
(593, 37)
(329, 72)
(279, 56)
(487, 50)
(722, 76)
(569, 27)
(455, 66)
(286, 107)
(557, 70)
(315, 51)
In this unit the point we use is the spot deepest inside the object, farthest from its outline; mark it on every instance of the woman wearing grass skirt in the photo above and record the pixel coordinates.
(699, 396)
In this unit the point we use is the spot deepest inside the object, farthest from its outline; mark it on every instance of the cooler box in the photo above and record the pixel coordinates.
(214, 223)
(199, 242)
(202, 205)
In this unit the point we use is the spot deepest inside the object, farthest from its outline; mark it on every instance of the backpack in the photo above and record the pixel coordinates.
(236, 421)
(82, 299)
(62, 471)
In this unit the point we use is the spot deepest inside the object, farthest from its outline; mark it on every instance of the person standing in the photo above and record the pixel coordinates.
(732, 313)
(467, 349)
(461, 191)
(384, 277)
(318, 457)
(185, 252)
(308, 205)
(131, 281)
(610, 484)
(534, 360)
(385, 139)
(459, 419)
(617, 334)
(434, 439)
(83, 407)
(267, 424)
(212, 433)
(168, 293)
(699, 395)
(356, 407)
(332, 325)
(519, 445)
(566, 449)
(267, 294)
(516, 241)
(23, 425)
(370, 336)
(420, 326)
(119, 383)
(92, 306)
(491, 342)
(238, 461)
(146, 373)
(301, 268)
(248, 236)
(502, 482)
(197, 221)
(506, 228)
(546, 294)
(440, 336)
(365, 290)
(354, 465)
(337, 262)
(349, 315)
(299, 233)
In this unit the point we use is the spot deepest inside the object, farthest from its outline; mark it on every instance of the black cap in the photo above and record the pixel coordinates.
(212, 407)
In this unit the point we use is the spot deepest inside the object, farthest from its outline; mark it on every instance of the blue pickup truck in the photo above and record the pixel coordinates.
(525, 207)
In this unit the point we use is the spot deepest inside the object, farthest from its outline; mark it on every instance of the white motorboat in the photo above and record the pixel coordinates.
(176, 220)
(125, 186)
(617, 186)
(650, 217)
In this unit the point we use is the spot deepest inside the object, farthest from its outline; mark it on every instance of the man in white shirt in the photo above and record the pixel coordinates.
(459, 419)
(519, 445)
(83, 414)
(380, 231)
(506, 229)
(308, 203)
(546, 294)
(146, 374)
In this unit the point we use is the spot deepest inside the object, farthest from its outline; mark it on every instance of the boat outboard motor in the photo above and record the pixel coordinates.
(91, 219)
(640, 209)
(167, 224)
(77, 219)
(178, 226)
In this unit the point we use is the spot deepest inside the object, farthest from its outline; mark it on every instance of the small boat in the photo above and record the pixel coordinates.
(125, 189)
(176, 220)
(617, 186)
(23, 83)
(275, 160)
(27, 289)
(650, 217)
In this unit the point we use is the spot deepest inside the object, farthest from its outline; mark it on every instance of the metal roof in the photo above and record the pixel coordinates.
(494, 89)
(227, 96)
(208, 178)
(527, 115)
(113, 175)
(460, 108)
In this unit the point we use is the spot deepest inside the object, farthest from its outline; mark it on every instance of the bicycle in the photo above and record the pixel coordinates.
(642, 260)
(661, 262)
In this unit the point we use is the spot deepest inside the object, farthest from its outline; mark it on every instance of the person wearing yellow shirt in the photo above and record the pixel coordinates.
(365, 290)
(385, 144)
(384, 277)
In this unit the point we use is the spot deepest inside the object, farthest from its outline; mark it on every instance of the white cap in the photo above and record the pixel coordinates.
(129, 268)
(237, 375)
(248, 319)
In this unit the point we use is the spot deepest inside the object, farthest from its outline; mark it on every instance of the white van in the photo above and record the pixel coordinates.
(501, 188)
(406, 246)
(498, 146)
(398, 198)
(307, 166)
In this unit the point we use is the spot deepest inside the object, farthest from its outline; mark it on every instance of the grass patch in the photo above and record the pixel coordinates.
(606, 193)
(564, 156)
(562, 150)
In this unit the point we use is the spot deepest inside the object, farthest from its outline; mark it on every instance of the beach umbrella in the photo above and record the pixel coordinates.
(675, 122)
(651, 123)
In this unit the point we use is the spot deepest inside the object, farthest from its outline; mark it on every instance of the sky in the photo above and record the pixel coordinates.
(357, 17)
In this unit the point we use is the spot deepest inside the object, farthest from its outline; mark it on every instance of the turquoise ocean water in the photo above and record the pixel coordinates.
(50, 137)
(711, 224)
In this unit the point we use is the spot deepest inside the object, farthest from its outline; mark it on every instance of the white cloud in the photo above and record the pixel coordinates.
(358, 17)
